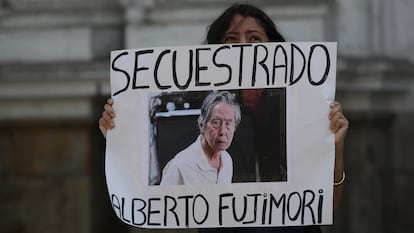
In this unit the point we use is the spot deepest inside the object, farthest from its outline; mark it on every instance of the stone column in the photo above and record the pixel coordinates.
(375, 95)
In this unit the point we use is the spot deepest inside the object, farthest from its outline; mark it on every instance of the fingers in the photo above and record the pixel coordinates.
(338, 122)
(109, 111)
(110, 101)
(102, 127)
(106, 121)
(335, 108)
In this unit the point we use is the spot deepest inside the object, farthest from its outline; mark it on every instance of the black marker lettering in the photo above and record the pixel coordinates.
(289, 205)
(190, 70)
(151, 212)
(134, 204)
(116, 205)
(244, 209)
(200, 68)
(264, 209)
(307, 204)
(320, 204)
(254, 208)
(171, 209)
(294, 80)
(281, 202)
(123, 208)
(137, 68)
(222, 65)
(261, 63)
(327, 68)
(128, 78)
(223, 207)
(241, 46)
(187, 207)
(157, 65)
(282, 65)
(205, 202)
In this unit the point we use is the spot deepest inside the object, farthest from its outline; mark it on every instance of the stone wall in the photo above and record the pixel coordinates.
(377, 95)
(54, 80)
(45, 176)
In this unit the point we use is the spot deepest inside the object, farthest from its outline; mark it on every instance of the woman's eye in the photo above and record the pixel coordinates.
(230, 39)
(255, 39)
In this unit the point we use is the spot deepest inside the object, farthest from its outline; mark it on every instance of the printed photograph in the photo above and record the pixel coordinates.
(217, 137)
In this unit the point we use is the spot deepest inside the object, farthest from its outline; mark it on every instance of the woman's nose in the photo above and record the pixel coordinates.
(242, 40)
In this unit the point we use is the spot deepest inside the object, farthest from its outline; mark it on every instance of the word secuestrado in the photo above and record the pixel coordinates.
(195, 210)
(225, 66)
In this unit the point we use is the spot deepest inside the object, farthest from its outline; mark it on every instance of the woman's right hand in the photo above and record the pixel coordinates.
(106, 121)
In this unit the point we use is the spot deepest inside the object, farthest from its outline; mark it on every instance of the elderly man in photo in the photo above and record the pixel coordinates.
(206, 161)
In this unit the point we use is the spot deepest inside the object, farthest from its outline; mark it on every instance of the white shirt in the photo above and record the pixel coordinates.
(191, 166)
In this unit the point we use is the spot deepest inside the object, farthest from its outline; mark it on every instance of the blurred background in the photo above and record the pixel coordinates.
(54, 80)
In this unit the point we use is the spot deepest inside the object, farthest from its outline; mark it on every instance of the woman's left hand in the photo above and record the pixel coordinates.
(339, 126)
(338, 122)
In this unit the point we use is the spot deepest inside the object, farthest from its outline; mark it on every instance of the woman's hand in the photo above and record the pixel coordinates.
(339, 126)
(106, 121)
(338, 122)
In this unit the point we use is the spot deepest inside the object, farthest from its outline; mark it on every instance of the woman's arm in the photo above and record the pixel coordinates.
(339, 126)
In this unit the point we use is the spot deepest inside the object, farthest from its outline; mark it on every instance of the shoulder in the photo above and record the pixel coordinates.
(186, 156)
(171, 173)
(226, 158)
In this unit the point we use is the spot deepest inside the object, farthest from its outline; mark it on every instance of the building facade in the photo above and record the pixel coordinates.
(54, 80)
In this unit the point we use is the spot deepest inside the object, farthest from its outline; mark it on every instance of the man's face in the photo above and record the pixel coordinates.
(220, 128)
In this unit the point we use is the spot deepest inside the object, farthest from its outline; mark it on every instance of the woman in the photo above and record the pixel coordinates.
(243, 23)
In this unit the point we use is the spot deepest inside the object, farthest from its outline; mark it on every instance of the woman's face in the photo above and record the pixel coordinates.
(219, 130)
(244, 30)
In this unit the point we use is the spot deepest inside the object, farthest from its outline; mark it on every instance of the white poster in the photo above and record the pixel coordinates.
(274, 167)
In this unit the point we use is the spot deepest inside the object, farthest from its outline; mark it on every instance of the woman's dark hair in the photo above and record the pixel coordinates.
(217, 29)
